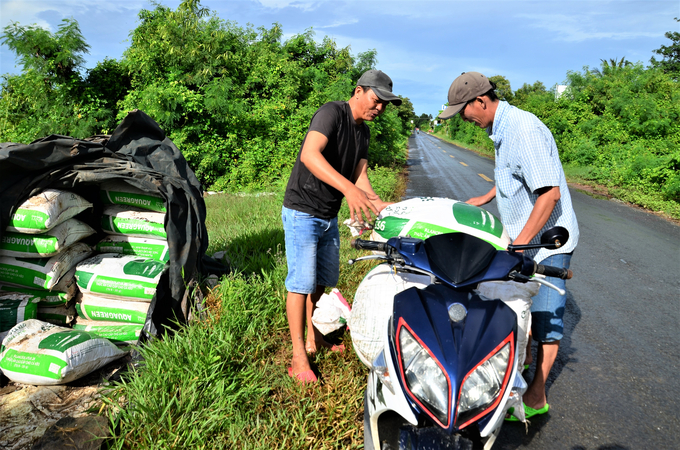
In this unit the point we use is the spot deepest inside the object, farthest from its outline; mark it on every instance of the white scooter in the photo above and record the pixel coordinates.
(444, 352)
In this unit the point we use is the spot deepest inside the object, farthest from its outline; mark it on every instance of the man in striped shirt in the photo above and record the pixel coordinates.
(532, 196)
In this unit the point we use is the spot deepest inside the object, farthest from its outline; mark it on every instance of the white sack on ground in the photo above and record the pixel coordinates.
(119, 333)
(422, 217)
(62, 315)
(372, 307)
(42, 273)
(332, 312)
(15, 308)
(46, 210)
(129, 221)
(50, 243)
(93, 307)
(129, 245)
(35, 352)
(124, 277)
(118, 192)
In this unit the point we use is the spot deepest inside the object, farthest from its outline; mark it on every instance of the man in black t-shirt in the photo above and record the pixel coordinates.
(331, 165)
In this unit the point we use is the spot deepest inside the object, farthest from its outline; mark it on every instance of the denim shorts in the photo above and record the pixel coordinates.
(547, 308)
(312, 251)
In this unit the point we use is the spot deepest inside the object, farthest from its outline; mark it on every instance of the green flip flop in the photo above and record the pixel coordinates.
(528, 412)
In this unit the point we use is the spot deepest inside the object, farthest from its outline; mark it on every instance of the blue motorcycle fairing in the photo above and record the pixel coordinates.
(447, 258)
(458, 347)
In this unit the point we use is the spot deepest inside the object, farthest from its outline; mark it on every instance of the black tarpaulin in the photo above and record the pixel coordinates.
(139, 153)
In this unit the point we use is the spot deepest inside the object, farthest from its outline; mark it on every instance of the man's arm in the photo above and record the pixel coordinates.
(543, 208)
(311, 156)
(483, 199)
(363, 183)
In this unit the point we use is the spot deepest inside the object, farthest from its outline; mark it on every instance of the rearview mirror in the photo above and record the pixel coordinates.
(551, 239)
(555, 237)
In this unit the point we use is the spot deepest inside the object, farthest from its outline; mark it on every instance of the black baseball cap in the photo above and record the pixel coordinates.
(379, 83)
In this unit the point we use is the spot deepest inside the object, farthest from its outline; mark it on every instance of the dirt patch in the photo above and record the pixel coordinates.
(27, 411)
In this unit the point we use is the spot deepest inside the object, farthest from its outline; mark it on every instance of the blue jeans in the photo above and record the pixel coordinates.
(312, 251)
(547, 308)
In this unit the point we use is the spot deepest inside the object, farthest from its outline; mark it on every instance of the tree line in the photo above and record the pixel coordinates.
(617, 125)
(236, 100)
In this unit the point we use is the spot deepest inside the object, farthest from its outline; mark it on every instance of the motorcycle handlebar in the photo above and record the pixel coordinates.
(360, 244)
(557, 272)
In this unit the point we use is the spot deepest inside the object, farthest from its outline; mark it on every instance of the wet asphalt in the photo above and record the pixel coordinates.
(615, 384)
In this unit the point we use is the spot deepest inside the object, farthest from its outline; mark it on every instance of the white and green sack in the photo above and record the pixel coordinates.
(125, 277)
(40, 353)
(46, 210)
(129, 221)
(15, 308)
(120, 193)
(93, 307)
(156, 249)
(119, 333)
(422, 217)
(62, 315)
(43, 273)
(50, 243)
(46, 298)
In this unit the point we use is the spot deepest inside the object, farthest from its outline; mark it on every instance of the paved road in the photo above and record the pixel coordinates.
(615, 384)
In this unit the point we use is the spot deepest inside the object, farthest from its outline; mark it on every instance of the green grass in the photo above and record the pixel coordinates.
(222, 383)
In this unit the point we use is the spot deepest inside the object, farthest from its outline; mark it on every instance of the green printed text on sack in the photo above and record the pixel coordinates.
(36, 364)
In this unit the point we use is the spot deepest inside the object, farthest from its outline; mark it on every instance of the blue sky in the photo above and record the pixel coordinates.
(421, 45)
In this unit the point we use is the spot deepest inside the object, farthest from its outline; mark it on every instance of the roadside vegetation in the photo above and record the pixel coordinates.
(617, 126)
(236, 100)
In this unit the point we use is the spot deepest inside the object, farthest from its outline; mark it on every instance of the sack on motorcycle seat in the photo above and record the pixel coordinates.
(422, 217)
(372, 307)
(46, 210)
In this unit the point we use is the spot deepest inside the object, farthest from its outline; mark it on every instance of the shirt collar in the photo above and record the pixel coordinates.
(496, 128)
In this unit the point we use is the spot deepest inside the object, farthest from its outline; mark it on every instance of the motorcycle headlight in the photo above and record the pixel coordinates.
(483, 385)
(424, 377)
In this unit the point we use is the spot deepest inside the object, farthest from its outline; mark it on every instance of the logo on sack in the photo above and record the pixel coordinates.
(112, 315)
(135, 226)
(19, 217)
(132, 200)
(16, 240)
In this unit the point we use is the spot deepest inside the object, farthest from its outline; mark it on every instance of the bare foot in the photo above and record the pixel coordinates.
(300, 364)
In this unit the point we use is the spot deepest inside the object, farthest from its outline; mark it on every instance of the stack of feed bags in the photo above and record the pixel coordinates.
(38, 253)
(117, 284)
